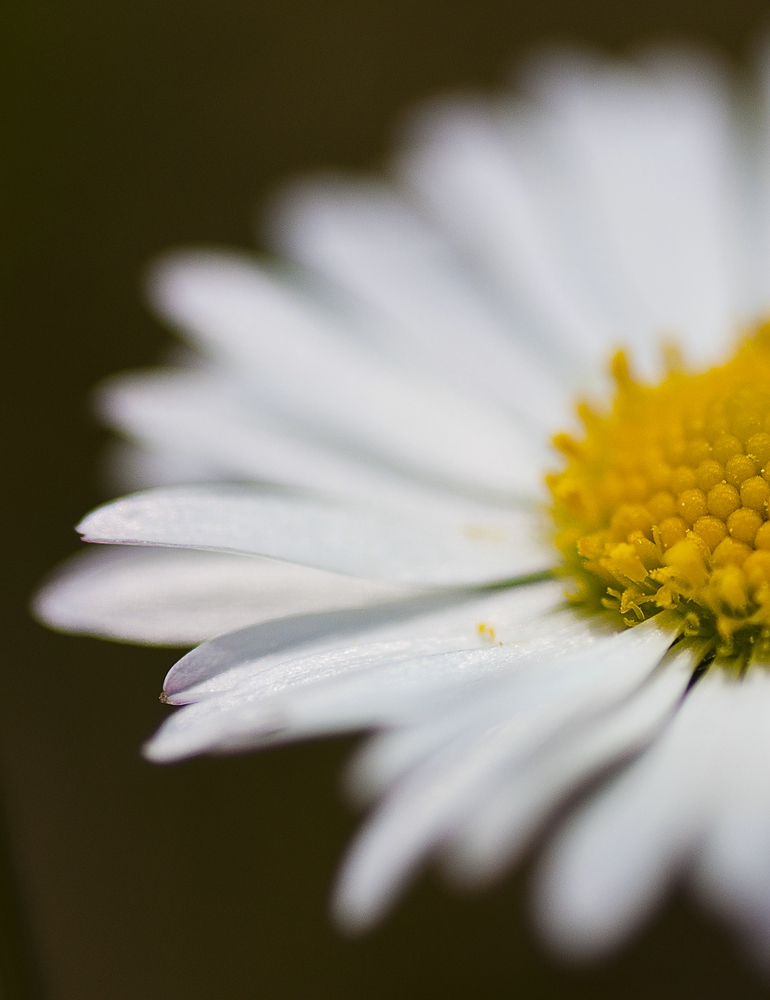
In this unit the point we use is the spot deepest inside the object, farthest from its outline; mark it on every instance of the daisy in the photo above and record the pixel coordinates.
(355, 508)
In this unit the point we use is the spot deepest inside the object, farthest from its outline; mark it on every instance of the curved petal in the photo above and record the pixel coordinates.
(612, 863)
(460, 619)
(497, 832)
(440, 548)
(179, 597)
(515, 722)
(383, 677)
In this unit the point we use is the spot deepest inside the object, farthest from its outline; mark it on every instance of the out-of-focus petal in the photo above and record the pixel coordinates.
(415, 297)
(213, 422)
(650, 148)
(612, 863)
(460, 164)
(312, 372)
(180, 597)
(732, 871)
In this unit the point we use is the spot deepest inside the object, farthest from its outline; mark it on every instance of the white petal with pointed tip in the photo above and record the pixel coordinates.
(439, 548)
(453, 620)
(389, 676)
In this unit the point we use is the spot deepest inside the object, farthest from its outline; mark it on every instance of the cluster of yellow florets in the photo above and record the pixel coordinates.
(663, 504)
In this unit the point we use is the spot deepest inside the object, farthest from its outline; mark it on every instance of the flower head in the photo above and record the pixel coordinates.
(663, 504)
(350, 508)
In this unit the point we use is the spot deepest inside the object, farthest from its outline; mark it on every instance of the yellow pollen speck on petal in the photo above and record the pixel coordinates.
(663, 502)
(486, 631)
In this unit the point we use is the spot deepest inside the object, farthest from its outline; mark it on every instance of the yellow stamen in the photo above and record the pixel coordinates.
(663, 501)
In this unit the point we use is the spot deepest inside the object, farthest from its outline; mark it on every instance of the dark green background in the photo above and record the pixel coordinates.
(130, 127)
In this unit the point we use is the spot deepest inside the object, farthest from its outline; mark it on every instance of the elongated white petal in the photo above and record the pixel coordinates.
(515, 722)
(612, 863)
(333, 691)
(351, 675)
(650, 148)
(128, 467)
(344, 686)
(460, 619)
(178, 597)
(213, 420)
(495, 834)
(361, 541)
(466, 172)
(733, 869)
(414, 296)
(303, 366)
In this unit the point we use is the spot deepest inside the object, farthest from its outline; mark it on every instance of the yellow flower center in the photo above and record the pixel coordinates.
(663, 502)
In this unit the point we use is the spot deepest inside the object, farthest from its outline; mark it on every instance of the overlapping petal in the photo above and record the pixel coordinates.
(180, 597)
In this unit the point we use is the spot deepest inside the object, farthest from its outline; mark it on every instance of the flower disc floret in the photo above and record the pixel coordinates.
(663, 503)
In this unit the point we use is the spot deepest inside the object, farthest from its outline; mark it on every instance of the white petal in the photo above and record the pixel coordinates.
(128, 467)
(437, 549)
(496, 833)
(463, 619)
(413, 295)
(178, 597)
(340, 690)
(757, 205)
(430, 803)
(469, 174)
(350, 684)
(304, 366)
(343, 687)
(650, 148)
(733, 871)
(210, 419)
(614, 860)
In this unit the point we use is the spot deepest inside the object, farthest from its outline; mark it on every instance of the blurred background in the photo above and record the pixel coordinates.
(129, 128)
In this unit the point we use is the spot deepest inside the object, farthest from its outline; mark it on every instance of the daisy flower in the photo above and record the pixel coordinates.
(356, 509)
